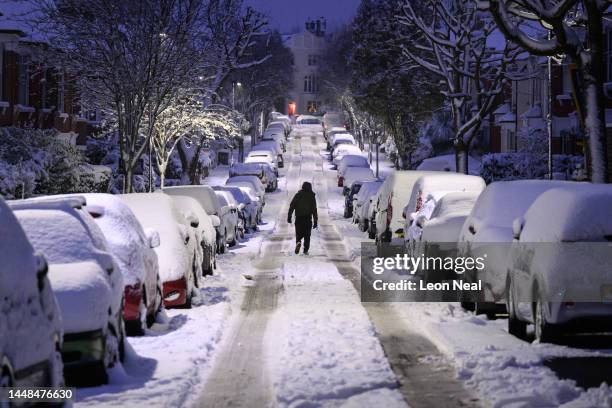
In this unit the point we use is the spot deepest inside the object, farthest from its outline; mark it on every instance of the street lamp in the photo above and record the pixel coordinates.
(234, 85)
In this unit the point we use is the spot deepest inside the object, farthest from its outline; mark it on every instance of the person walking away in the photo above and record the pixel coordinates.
(304, 204)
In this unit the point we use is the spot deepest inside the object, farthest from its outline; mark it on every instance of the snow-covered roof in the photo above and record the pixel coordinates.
(509, 117)
(534, 111)
(502, 109)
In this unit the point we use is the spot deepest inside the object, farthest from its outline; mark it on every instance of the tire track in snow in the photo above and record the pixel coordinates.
(240, 376)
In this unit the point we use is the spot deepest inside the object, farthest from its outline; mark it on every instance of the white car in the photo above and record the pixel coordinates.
(488, 225)
(272, 145)
(133, 249)
(433, 187)
(261, 170)
(30, 322)
(393, 196)
(560, 278)
(263, 155)
(86, 282)
(370, 211)
(178, 267)
(347, 161)
(207, 198)
(308, 120)
(354, 174)
(275, 137)
(251, 181)
(229, 215)
(339, 139)
(250, 208)
(344, 150)
(362, 201)
(330, 132)
(206, 234)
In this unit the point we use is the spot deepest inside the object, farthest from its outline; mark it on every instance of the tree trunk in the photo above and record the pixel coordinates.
(461, 156)
(127, 180)
(593, 77)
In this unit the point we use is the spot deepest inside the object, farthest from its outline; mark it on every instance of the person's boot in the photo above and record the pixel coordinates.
(298, 245)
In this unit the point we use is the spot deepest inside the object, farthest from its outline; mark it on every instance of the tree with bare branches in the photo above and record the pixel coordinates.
(574, 28)
(452, 40)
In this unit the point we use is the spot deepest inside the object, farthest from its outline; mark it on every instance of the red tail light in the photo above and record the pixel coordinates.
(175, 292)
(419, 202)
(133, 298)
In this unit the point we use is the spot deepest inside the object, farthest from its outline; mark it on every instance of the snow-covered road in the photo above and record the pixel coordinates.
(278, 329)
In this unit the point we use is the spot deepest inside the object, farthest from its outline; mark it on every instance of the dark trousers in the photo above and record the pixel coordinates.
(303, 228)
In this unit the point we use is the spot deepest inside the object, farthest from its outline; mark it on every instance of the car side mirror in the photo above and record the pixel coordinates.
(216, 221)
(193, 219)
(517, 228)
(152, 237)
(42, 268)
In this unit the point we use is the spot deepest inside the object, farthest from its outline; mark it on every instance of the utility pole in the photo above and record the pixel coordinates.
(549, 122)
(377, 150)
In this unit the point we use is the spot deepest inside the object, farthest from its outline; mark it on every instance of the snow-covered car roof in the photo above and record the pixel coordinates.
(226, 198)
(358, 174)
(189, 204)
(239, 194)
(249, 169)
(345, 149)
(123, 232)
(262, 151)
(442, 183)
(368, 189)
(448, 217)
(499, 204)
(351, 160)
(345, 136)
(252, 180)
(157, 211)
(272, 145)
(204, 195)
(580, 212)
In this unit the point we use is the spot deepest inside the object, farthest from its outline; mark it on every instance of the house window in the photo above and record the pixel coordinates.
(510, 141)
(23, 82)
(312, 106)
(313, 59)
(311, 84)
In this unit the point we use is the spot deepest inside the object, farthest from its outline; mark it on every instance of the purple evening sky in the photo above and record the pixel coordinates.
(289, 14)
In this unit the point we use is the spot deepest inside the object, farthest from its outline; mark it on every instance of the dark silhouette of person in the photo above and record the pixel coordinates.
(305, 206)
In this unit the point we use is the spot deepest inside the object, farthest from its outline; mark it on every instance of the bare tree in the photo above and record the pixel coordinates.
(452, 41)
(129, 56)
(575, 28)
(227, 39)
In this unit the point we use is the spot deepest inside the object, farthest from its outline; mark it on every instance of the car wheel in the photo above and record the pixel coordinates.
(544, 331)
(516, 327)
(469, 306)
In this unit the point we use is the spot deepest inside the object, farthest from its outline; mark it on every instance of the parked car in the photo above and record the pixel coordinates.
(334, 119)
(354, 174)
(264, 155)
(343, 150)
(251, 192)
(31, 338)
(133, 249)
(229, 209)
(330, 132)
(489, 224)
(207, 198)
(393, 196)
(178, 267)
(361, 202)
(339, 139)
(559, 277)
(274, 138)
(433, 187)
(250, 209)
(350, 196)
(374, 204)
(206, 234)
(347, 161)
(249, 181)
(308, 120)
(261, 170)
(273, 146)
(86, 282)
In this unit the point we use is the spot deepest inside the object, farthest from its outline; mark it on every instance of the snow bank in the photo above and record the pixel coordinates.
(504, 370)
(321, 343)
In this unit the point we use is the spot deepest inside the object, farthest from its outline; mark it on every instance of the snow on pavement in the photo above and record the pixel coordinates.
(322, 347)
